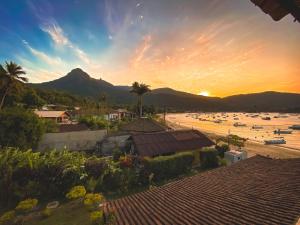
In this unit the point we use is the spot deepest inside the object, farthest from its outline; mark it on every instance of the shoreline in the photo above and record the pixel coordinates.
(252, 147)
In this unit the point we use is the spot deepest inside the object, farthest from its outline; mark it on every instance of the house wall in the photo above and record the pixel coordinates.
(75, 141)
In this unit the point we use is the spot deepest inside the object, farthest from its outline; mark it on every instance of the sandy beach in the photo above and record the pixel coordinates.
(252, 147)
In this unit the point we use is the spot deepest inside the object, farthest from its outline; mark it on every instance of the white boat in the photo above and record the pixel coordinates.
(295, 127)
(257, 127)
(238, 124)
(275, 141)
(279, 131)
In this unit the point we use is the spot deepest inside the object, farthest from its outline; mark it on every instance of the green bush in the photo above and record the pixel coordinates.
(76, 192)
(95, 167)
(222, 149)
(209, 158)
(27, 205)
(166, 167)
(46, 213)
(7, 217)
(96, 217)
(44, 176)
(20, 128)
(92, 201)
(116, 154)
(93, 123)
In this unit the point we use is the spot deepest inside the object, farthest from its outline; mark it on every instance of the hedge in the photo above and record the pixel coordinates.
(209, 158)
(166, 167)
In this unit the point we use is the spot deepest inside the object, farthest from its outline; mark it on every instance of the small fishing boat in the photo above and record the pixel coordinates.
(257, 127)
(275, 141)
(217, 121)
(295, 127)
(266, 118)
(279, 131)
(238, 124)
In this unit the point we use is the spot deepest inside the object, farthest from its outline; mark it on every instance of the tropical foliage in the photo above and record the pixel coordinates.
(20, 128)
(140, 90)
(11, 78)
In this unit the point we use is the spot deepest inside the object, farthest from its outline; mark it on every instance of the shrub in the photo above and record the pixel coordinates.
(76, 192)
(96, 217)
(126, 161)
(222, 149)
(27, 205)
(166, 167)
(46, 213)
(7, 217)
(120, 180)
(20, 128)
(209, 158)
(116, 154)
(95, 167)
(93, 123)
(92, 201)
(44, 176)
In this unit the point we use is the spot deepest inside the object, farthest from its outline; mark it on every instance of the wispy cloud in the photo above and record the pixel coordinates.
(54, 61)
(56, 33)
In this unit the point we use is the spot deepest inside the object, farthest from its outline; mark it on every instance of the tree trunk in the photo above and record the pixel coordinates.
(141, 106)
(3, 98)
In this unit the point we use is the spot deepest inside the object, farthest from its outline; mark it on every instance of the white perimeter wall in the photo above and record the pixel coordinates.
(75, 141)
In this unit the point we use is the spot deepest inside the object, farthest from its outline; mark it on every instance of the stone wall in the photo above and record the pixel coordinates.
(75, 141)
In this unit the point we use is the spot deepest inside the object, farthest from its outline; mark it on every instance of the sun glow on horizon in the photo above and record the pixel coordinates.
(204, 93)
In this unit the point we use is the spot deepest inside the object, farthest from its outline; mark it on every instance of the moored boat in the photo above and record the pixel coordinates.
(238, 124)
(257, 127)
(275, 141)
(295, 127)
(266, 118)
(279, 131)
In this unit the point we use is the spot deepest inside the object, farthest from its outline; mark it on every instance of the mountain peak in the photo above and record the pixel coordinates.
(78, 73)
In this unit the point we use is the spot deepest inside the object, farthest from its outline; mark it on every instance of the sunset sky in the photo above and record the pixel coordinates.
(216, 47)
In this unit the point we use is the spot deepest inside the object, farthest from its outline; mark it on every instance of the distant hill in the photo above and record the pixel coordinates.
(80, 83)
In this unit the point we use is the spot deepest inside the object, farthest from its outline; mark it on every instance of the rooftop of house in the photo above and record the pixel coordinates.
(143, 125)
(278, 9)
(154, 144)
(50, 114)
(257, 190)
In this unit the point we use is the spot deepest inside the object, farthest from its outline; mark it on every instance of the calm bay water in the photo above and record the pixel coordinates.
(222, 124)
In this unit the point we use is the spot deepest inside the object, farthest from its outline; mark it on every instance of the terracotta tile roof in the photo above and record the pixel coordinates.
(154, 144)
(143, 125)
(258, 190)
(278, 9)
(50, 114)
(72, 127)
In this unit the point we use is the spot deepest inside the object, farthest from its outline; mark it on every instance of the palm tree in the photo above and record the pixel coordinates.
(140, 90)
(10, 78)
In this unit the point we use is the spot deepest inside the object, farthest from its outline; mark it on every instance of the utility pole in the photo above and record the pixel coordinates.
(165, 112)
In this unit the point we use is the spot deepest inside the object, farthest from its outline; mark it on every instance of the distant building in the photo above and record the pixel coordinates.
(119, 114)
(234, 156)
(258, 190)
(57, 116)
(168, 142)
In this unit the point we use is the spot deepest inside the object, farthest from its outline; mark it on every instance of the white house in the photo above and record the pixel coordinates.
(234, 156)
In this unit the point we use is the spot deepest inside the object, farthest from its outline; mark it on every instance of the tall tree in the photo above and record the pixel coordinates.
(140, 90)
(11, 76)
